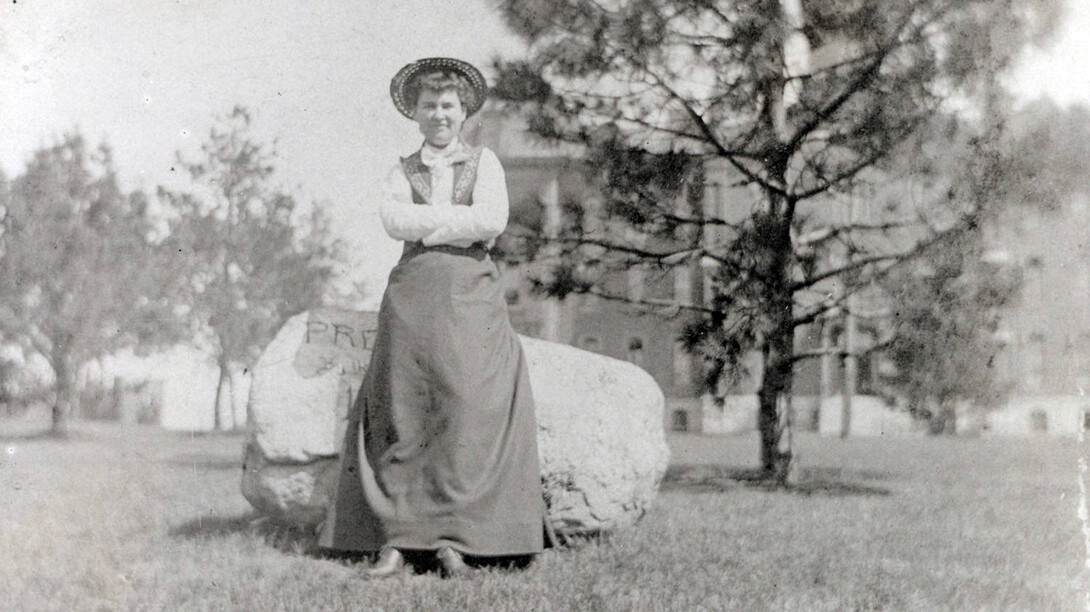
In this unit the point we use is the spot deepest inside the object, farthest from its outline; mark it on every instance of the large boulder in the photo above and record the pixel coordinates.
(600, 425)
(293, 493)
(600, 436)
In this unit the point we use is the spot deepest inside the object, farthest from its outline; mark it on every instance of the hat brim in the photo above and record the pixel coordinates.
(401, 80)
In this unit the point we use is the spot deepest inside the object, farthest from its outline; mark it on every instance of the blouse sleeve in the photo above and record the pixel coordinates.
(402, 219)
(487, 217)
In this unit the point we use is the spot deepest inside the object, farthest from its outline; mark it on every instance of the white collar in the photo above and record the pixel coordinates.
(432, 156)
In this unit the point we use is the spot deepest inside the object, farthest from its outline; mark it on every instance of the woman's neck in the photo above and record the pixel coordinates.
(448, 148)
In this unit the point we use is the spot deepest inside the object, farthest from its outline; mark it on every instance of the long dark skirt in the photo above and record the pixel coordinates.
(446, 416)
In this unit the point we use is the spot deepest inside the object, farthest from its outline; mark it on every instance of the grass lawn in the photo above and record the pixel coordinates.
(140, 519)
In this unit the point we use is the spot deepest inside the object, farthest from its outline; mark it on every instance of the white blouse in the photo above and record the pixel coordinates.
(442, 222)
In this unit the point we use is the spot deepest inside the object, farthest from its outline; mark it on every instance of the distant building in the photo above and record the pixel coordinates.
(1047, 359)
(540, 178)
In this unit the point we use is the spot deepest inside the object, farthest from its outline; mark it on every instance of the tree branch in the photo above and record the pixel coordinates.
(668, 258)
(709, 135)
(854, 265)
(839, 352)
(661, 304)
(830, 232)
(965, 222)
(857, 84)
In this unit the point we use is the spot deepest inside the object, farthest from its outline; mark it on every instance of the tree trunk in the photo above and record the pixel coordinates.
(773, 418)
(239, 408)
(62, 408)
(66, 399)
(777, 251)
(777, 352)
(223, 398)
(945, 421)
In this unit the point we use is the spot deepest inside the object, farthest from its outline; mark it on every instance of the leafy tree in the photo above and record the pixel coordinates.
(76, 269)
(794, 107)
(947, 308)
(1050, 151)
(247, 258)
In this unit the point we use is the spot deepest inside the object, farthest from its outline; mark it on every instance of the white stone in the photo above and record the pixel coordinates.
(600, 426)
(304, 383)
(295, 494)
(600, 436)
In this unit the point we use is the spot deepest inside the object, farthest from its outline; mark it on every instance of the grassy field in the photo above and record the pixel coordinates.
(140, 519)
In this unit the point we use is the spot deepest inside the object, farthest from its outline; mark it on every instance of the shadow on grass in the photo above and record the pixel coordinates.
(285, 538)
(204, 461)
(48, 435)
(304, 541)
(226, 434)
(422, 562)
(833, 482)
(33, 436)
(215, 526)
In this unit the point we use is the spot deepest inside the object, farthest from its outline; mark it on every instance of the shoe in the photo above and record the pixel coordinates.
(389, 562)
(452, 562)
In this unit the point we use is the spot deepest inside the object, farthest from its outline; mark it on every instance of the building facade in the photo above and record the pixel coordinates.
(541, 178)
(1045, 362)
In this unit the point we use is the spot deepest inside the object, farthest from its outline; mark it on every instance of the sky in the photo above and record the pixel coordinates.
(148, 77)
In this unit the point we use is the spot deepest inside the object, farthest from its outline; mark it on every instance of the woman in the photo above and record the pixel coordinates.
(441, 451)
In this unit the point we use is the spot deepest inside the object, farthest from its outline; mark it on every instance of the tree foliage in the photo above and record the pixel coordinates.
(675, 97)
(947, 306)
(947, 309)
(246, 255)
(77, 272)
(1050, 152)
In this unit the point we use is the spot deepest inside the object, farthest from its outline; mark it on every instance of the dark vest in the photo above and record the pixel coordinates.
(465, 177)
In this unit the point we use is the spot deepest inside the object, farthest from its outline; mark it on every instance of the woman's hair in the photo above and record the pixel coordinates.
(440, 80)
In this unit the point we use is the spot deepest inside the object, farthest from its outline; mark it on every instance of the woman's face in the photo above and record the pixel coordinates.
(440, 116)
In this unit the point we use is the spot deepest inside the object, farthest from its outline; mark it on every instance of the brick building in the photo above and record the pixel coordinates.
(1046, 357)
(540, 177)
(1046, 360)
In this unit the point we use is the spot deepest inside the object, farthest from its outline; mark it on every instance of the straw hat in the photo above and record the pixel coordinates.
(399, 84)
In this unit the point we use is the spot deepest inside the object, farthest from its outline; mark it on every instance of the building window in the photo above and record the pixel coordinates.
(1036, 267)
(1082, 361)
(683, 374)
(1039, 420)
(635, 278)
(588, 302)
(683, 285)
(635, 351)
(659, 285)
(1071, 365)
(1035, 363)
(681, 421)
